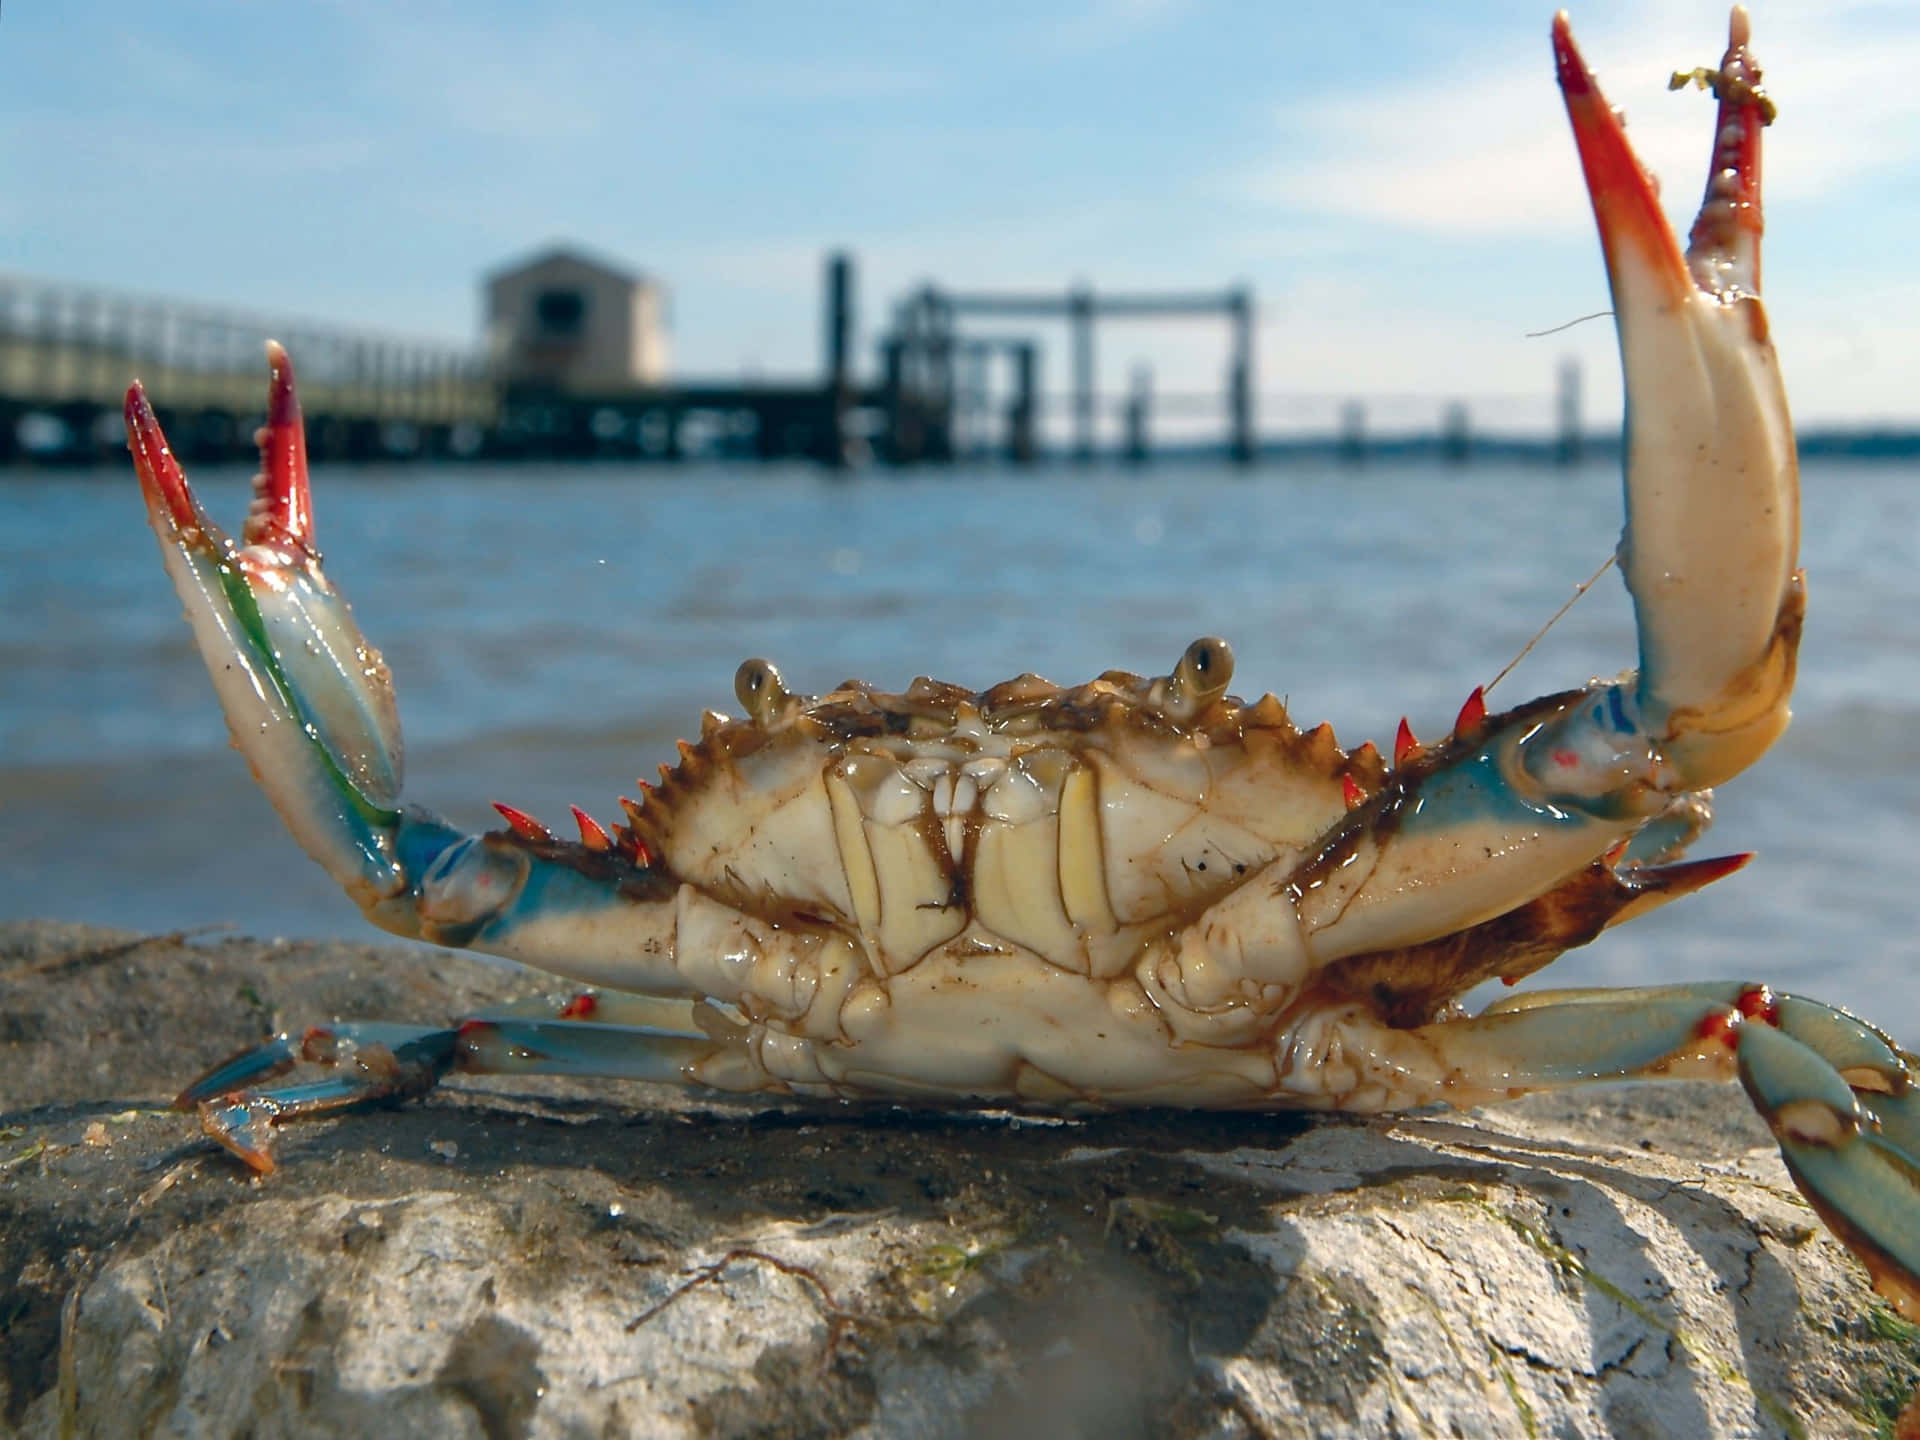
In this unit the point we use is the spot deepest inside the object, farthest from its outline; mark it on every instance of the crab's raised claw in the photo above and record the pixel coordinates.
(1712, 479)
(306, 697)
(1848, 1132)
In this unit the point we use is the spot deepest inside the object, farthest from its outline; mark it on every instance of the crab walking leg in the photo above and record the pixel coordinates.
(1839, 1096)
(1854, 1158)
(373, 1060)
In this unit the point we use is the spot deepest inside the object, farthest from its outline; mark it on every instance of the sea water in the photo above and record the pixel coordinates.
(551, 630)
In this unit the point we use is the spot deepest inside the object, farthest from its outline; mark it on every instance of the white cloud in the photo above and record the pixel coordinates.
(1482, 150)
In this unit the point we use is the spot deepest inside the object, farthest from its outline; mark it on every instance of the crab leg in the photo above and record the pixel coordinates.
(310, 704)
(1839, 1096)
(1513, 804)
(277, 639)
(374, 1060)
(1712, 477)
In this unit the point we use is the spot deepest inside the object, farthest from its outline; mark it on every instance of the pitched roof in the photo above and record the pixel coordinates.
(568, 252)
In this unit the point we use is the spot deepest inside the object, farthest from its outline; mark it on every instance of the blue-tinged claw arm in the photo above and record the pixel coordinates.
(310, 705)
(1511, 805)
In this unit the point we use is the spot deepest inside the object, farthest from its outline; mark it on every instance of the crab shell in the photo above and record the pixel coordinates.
(1037, 875)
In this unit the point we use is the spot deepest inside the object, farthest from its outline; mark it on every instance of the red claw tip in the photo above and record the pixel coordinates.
(523, 824)
(283, 498)
(591, 834)
(161, 479)
(1473, 714)
(1569, 64)
(1405, 747)
(1350, 789)
(1626, 202)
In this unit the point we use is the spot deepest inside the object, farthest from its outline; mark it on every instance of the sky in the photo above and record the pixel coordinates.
(1395, 181)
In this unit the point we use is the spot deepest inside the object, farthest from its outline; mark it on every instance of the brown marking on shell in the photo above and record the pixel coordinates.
(1267, 713)
(1019, 696)
(1321, 745)
(1027, 704)
(614, 868)
(1412, 984)
(1104, 714)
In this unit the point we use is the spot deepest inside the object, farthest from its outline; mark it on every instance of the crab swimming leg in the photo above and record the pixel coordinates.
(1839, 1096)
(310, 705)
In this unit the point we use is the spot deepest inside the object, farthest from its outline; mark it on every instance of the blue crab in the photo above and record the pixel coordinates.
(1136, 891)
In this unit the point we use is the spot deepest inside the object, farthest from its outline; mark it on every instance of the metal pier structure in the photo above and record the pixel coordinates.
(67, 353)
(931, 367)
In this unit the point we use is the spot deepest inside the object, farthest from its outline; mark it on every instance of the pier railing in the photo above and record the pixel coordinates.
(68, 347)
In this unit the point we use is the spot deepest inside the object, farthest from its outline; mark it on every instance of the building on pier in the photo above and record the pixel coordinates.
(566, 321)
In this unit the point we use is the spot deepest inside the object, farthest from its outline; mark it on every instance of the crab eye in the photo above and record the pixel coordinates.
(1198, 680)
(758, 687)
(1206, 670)
(1208, 661)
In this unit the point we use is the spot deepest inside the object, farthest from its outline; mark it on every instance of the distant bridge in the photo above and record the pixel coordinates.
(67, 354)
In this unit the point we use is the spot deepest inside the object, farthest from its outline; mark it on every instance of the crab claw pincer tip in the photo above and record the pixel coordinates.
(282, 508)
(1634, 234)
(162, 480)
(1723, 249)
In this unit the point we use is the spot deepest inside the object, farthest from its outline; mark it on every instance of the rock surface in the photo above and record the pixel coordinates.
(514, 1257)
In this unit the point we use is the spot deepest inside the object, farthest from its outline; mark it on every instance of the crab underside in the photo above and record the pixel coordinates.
(1135, 891)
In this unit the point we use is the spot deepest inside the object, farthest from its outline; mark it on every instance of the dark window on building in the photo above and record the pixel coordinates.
(561, 313)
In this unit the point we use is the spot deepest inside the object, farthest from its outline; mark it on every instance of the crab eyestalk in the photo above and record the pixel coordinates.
(307, 699)
(1712, 478)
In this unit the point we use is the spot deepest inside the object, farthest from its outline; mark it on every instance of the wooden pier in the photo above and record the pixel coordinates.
(68, 352)
(927, 352)
(67, 355)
